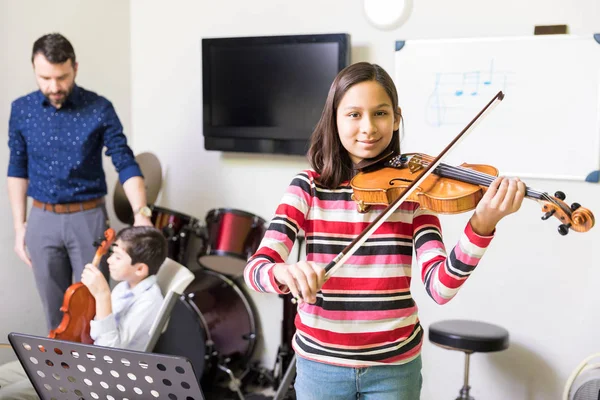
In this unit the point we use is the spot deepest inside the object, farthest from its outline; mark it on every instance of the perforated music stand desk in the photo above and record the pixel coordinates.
(65, 370)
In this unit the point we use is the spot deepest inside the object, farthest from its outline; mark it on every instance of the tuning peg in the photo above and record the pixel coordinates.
(98, 241)
(575, 206)
(563, 229)
(560, 195)
(548, 214)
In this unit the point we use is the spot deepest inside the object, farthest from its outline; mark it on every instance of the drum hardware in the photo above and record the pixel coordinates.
(260, 376)
(201, 232)
(183, 243)
(286, 359)
(234, 383)
(213, 325)
(285, 351)
(213, 322)
(287, 381)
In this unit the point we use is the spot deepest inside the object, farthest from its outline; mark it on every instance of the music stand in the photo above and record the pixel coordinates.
(66, 370)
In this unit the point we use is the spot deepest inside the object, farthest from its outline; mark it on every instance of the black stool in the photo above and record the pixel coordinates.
(468, 337)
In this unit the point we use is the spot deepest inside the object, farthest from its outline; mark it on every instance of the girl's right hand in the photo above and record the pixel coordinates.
(304, 279)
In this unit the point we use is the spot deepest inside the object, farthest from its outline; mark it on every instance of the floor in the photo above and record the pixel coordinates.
(255, 384)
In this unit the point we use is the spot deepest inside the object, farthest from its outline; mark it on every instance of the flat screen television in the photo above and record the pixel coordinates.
(266, 94)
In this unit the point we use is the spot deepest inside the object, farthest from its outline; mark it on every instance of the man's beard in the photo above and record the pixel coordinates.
(58, 98)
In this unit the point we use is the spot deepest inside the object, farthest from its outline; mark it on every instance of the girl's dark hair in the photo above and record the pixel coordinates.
(55, 48)
(326, 154)
(144, 244)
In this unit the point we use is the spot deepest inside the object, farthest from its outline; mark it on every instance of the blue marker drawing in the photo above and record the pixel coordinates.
(471, 81)
(593, 176)
(448, 103)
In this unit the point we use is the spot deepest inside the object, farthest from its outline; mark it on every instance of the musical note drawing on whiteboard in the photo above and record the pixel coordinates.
(455, 94)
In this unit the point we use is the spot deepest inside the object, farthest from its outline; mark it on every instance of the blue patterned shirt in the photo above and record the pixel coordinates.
(60, 150)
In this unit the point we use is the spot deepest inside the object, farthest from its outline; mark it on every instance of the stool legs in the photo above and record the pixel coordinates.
(464, 392)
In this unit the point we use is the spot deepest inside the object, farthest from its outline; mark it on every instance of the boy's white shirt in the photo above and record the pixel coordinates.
(133, 312)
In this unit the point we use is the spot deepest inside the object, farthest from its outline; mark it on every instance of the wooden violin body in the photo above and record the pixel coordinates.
(79, 306)
(439, 194)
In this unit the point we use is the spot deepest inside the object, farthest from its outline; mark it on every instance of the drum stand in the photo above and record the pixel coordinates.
(234, 383)
(284, 386)
(289, 314)
(177, 241)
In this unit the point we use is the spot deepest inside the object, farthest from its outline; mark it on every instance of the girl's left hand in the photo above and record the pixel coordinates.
(503, 197)
(93, 278)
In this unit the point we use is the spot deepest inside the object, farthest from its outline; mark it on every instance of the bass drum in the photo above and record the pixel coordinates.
(211, 324)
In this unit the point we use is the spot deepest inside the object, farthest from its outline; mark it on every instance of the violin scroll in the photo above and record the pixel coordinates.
(574, 217)
(104, 245)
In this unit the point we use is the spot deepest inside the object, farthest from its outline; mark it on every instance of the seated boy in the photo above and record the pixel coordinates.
(123, 317)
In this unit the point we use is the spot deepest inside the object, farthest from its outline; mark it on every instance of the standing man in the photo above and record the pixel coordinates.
(56, 136)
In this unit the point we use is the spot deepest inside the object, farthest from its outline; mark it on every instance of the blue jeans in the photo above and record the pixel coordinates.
(319, 381)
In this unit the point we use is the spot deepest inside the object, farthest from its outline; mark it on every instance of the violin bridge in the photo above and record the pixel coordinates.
(415, 164)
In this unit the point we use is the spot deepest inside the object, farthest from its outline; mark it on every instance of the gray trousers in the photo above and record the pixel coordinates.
(59, 246)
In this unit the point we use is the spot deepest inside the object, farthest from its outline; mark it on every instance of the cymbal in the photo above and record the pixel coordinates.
(152, 171)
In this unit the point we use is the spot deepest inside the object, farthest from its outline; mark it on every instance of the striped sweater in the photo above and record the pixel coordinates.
(364, 314)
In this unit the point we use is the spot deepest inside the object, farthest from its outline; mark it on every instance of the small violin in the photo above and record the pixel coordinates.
(79, 306)
(453, 189)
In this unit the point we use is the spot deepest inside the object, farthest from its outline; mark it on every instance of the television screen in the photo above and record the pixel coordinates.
(266, 94)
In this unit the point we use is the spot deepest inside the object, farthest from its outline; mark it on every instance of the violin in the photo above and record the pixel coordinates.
(79, 306)
(453, 189)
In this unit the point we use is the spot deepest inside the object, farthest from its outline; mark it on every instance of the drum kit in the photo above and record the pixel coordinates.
(213, 323)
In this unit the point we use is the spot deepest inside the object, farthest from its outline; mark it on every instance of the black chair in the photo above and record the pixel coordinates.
(468, 337)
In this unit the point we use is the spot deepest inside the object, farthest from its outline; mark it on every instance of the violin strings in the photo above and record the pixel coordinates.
(475, 177)
(480, 178)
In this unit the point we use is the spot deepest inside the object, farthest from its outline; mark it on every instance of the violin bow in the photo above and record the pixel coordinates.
(347, 252)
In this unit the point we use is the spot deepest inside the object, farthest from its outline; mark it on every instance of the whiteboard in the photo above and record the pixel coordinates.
(547, 126)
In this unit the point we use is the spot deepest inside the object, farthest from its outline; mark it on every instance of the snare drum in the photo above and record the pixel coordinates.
(176, 227)
(211, 324)
(232, 236)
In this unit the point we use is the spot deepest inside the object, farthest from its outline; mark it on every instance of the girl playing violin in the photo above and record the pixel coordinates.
(358, 334)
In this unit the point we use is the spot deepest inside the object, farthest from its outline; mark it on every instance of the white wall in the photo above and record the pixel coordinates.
(99, 31)
(538, 285)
